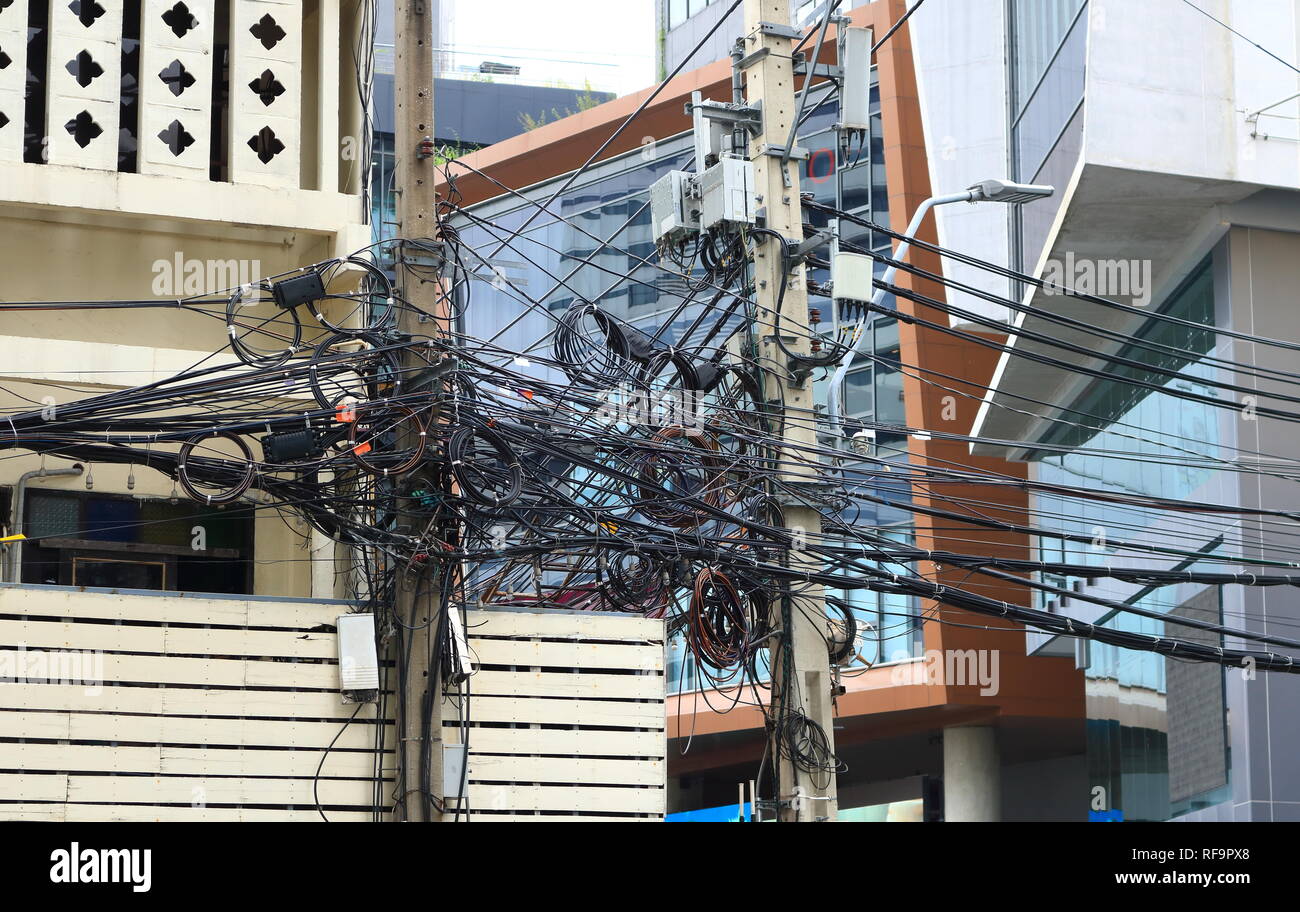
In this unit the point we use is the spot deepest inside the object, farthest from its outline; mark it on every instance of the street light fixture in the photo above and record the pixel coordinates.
(986, 191)
(1005, 191)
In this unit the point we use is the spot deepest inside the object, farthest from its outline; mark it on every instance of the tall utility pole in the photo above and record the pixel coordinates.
(801, 670)
(417, 605)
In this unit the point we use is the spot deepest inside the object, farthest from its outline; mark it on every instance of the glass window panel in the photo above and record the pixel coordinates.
(889, 396)
(109, 519)
(859, 392)
(1053, 103)
(109, 573)
(1040, 27)
(676, 13)
(163, 523)
(52, 516)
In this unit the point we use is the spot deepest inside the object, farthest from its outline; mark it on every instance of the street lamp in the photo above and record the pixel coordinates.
(1005, 191)
(986, 191)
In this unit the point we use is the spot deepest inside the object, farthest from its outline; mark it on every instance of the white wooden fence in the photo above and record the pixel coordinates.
(160, 707)
(565, 717)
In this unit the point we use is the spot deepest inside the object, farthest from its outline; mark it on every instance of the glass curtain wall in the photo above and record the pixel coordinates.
(1047, 50)
(557, 261)
(1157, 727)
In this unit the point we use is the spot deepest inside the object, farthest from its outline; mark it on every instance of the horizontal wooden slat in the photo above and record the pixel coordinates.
(567, 655)
(188, 761)
(184, 730)
(168, 640)
(34, 786)
(208, 672)
(198, 641)
(555, 711)
(192, 701)
(555, 684)
(79, 698)
(52, 812)
(498, 768)
(34, 635)
(559, 798)
(198, 761)
(211, 790)
(80, 758)
(196, 701)
(553, 741)
(86, 813)
(616, 627)
(20, 600)
(183, 790)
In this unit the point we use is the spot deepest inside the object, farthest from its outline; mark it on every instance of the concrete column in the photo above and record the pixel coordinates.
(972, 774)
(322, 565)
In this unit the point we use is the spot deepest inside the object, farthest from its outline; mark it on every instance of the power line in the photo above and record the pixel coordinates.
(1220, 22)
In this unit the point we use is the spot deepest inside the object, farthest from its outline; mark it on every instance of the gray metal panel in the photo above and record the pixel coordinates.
(481, 113)
(1198, 749)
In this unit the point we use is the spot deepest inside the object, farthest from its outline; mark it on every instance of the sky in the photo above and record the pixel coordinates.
(607, 43)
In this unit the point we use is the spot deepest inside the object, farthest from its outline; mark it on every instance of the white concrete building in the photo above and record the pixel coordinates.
(1174, 147)
(163, 149)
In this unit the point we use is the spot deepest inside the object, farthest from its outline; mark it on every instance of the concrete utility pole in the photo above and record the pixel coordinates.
(417, 602)
(803, 677)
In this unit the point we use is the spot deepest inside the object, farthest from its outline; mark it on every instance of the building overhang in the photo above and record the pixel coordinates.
(1109, 215)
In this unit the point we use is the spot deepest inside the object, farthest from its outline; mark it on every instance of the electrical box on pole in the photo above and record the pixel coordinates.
(855, 93)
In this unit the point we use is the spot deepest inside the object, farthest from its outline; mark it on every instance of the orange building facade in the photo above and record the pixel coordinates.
(967, 725)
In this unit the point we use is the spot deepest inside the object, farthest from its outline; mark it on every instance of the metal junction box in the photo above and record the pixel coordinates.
(673, 210)
(727, 194)
(852, 277)
(358, 656)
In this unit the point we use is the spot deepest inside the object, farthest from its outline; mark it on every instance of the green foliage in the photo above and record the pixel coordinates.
(451, 152)
(585, 102)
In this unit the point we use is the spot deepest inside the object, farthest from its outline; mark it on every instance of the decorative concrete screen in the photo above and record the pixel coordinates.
(176, 46)
(84, 83)
(13, 78)
(116, 77)
(265, 62)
